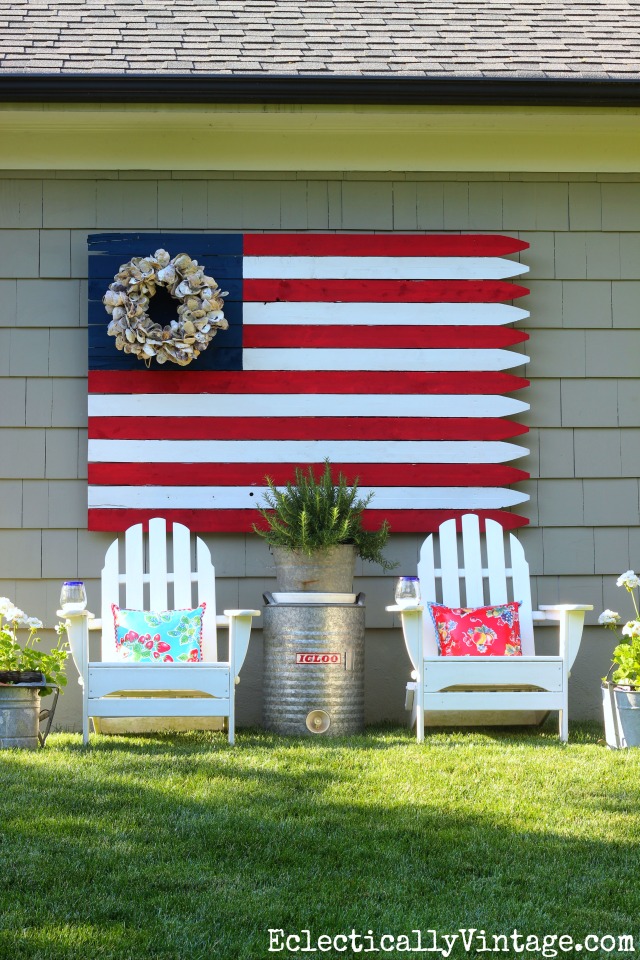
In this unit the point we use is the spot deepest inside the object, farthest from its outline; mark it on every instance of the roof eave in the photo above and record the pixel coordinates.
(265, 88)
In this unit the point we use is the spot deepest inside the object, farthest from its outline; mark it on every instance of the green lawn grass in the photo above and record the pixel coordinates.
(182, 848)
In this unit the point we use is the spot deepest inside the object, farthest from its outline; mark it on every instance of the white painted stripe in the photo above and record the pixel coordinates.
(302, 405)
(232, 498)
(302, 451)
(381, 359)
(381, 268)
(377, 314)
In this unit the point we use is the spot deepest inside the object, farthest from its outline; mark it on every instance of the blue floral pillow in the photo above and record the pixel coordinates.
(167, 636)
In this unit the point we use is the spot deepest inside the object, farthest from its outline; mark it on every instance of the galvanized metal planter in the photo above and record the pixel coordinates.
(325, 571)
(20, 712)
(19, 717)
(314, 667)
(621, 716)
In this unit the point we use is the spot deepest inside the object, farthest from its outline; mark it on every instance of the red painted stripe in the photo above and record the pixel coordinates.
(241, 521)
(381, 291)
(159, 380)
(301, 428)
(250, 474)
(379, 245)
(452, 338)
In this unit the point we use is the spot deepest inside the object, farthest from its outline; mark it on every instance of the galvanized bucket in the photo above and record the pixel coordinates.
(325, 571)
(314, 668)
(621, 716)
(19, 717)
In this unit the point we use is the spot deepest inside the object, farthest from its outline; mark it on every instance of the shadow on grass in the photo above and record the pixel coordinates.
(180, 848)
(382, 736)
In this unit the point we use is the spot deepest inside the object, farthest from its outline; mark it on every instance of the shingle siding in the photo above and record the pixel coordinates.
(585, 398)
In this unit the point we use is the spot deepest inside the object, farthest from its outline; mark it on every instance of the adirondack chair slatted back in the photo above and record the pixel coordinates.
(482, 570)
(159, 574)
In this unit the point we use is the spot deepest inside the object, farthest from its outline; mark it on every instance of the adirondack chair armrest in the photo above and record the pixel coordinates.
(405, 608)
(550, 613)
(242, 613)
(81, 614)
(78, 626)
(412, 621)
(571, 620)
(559, 608)
(222, 620)
(239, 632)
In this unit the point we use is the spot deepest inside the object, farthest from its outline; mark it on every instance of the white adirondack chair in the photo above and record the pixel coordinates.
(159, 577)
(491, 687)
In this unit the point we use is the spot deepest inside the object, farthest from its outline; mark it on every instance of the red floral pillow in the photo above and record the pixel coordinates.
(479, 632)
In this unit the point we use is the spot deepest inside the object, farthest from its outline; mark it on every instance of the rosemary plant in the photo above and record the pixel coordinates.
(316, 513)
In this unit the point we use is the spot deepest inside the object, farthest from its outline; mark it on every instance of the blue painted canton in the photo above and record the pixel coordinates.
(219, 253)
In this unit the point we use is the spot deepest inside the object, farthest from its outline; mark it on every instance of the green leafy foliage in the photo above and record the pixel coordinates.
(316, 513)
(627, 656)
(14, 656)
(24, 656)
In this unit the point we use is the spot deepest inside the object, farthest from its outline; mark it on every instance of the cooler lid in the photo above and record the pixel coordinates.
(305, 597)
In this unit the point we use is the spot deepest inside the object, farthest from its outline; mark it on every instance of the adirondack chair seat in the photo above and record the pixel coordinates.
(159, 575)
(494, 689)
(531, 675)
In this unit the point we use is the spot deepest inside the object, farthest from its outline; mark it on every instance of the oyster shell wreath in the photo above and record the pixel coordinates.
(200, 313)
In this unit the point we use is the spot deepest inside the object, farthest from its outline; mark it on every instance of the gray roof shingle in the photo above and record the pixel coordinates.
(410, 38)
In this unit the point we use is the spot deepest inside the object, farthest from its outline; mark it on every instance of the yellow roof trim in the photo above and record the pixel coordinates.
(319, 137)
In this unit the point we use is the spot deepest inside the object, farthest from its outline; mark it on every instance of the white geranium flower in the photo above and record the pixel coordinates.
(608, 616)
(34, 624)
(15, 615)
(628, 580)
(632, 628)
(5, 604)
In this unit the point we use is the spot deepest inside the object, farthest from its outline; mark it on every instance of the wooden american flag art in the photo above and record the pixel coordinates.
(386, 353)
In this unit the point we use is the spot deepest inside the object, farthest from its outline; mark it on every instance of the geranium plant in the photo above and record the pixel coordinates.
(16, 657)
(626, 656)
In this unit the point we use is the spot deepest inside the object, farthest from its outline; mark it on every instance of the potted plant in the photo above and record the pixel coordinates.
(314, 527)
(21, 664)
(621, 686)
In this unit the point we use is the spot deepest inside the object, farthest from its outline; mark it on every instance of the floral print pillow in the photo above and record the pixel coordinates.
(166, 636)
(479, 632)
